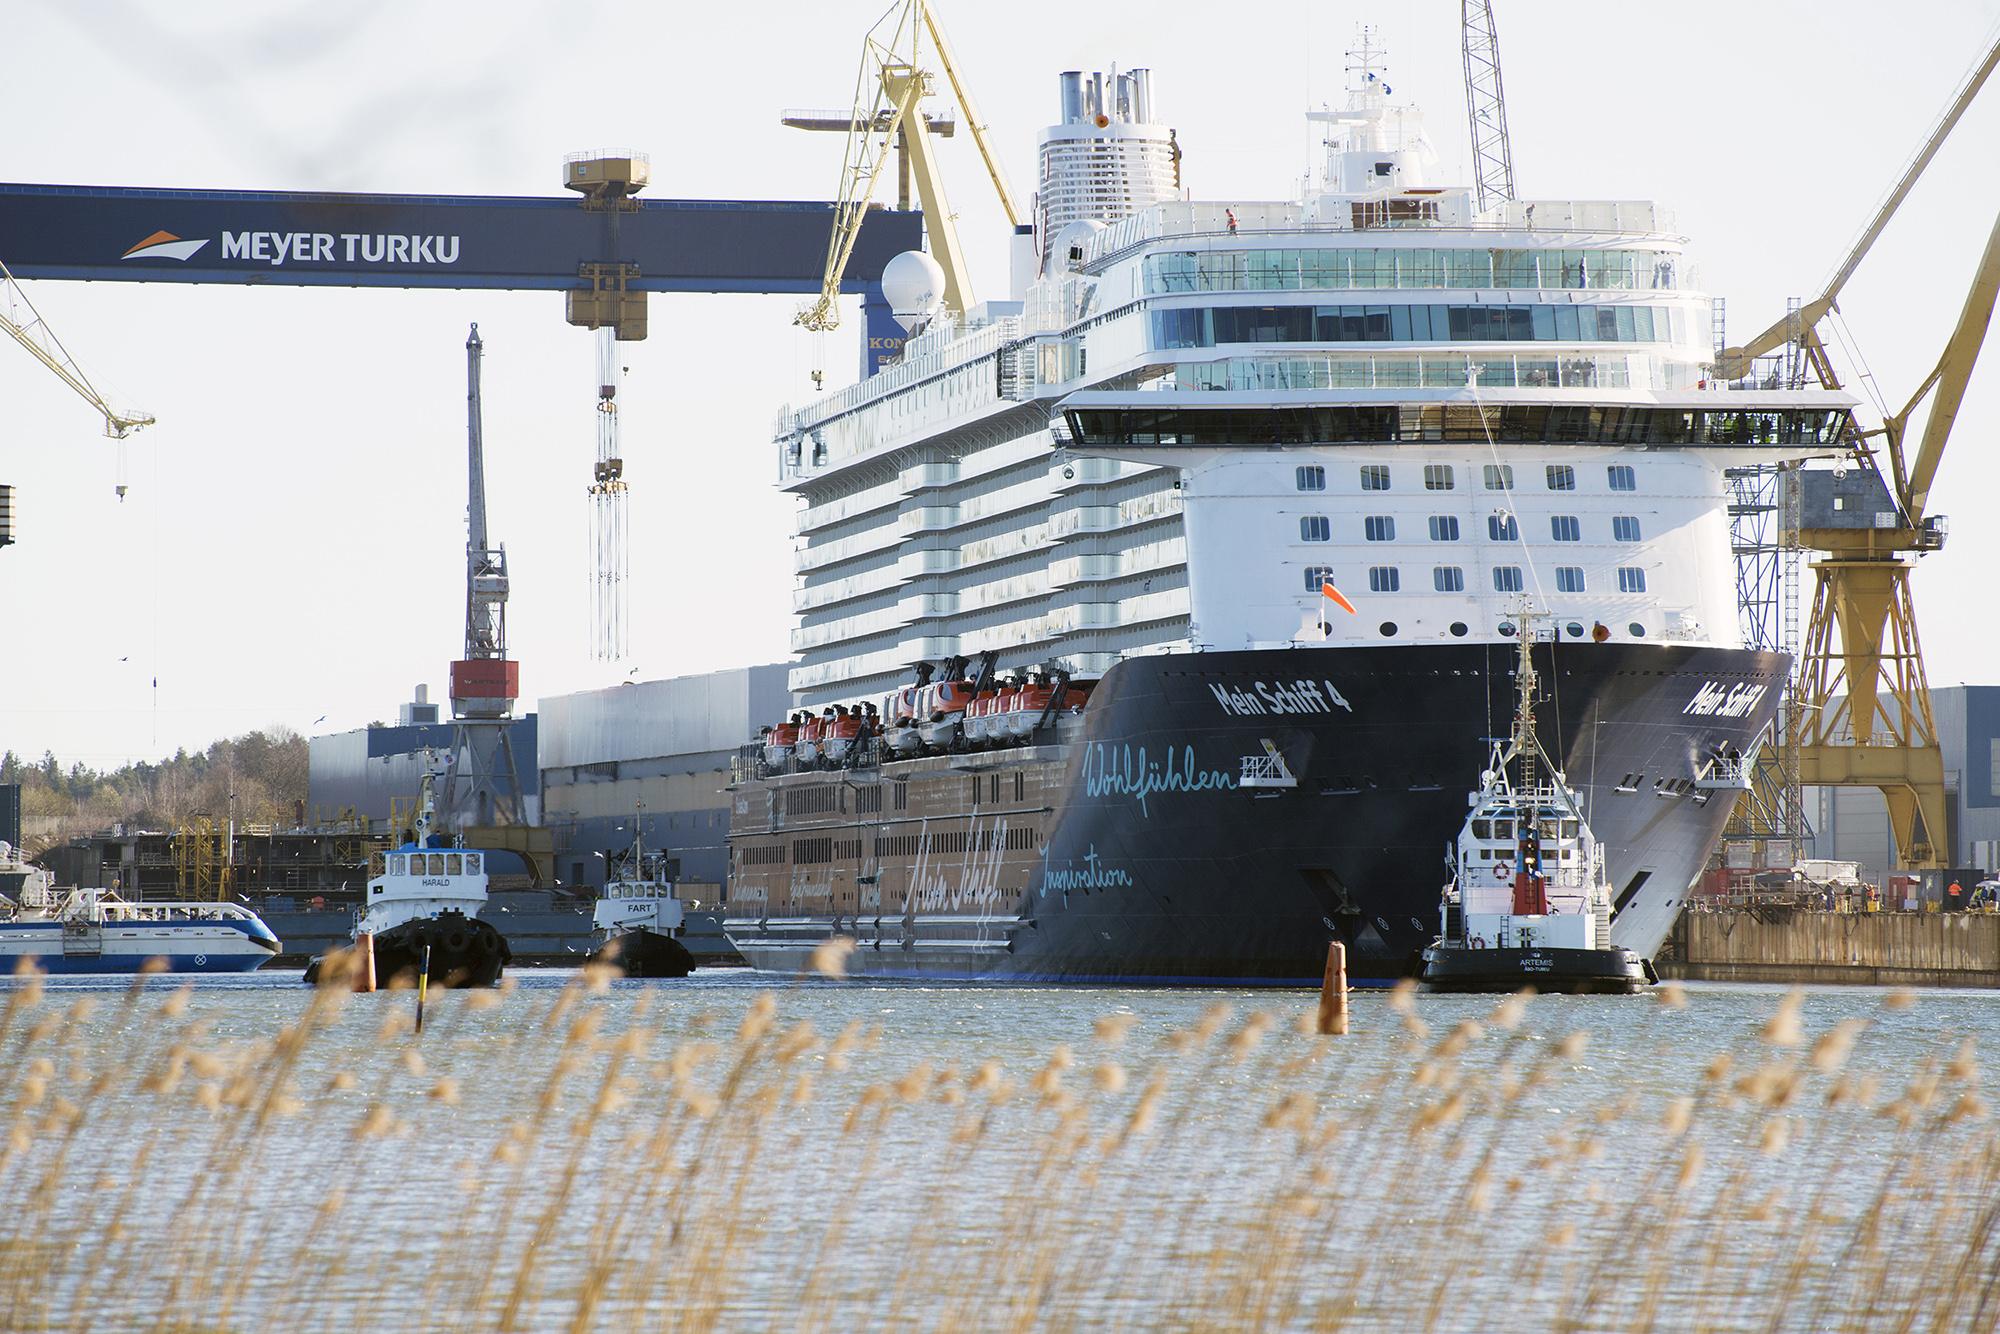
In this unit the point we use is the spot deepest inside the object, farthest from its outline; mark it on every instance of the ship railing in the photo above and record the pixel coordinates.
(942, 349)
(1433, 370)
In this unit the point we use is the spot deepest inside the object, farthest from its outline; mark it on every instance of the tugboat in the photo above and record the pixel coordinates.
(423, 903)
(641, 918)
(1529, 901)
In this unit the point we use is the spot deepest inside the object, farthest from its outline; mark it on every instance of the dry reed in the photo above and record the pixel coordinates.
(610, 1157)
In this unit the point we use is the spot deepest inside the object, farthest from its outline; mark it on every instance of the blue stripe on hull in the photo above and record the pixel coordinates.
(56, 964)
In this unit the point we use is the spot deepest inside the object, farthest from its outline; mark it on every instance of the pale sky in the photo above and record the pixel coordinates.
(292, 547)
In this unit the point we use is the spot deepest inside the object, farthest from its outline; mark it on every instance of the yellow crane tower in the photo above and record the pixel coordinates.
(1868, 527)
(25, 325)
(893, 79)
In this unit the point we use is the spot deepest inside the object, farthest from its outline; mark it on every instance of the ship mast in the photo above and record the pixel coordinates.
(1526, 746)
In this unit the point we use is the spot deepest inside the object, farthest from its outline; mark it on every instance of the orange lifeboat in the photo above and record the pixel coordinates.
(941, 712)
(842, 731)
(779, 742)
(810, 734)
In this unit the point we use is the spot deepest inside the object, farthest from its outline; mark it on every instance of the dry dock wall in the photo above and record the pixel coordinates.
(1868, 949)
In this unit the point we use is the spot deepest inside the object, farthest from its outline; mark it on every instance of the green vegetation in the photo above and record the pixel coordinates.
(265, 770)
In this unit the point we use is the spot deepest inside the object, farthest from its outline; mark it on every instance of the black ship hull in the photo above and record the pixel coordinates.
(1167, 861)
(645, 954)
(1570, 972)
(463, 952)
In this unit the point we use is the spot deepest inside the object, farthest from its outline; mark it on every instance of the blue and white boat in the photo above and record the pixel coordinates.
(96, 931)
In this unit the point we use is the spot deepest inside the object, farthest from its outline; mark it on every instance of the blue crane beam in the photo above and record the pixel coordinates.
(120, 234)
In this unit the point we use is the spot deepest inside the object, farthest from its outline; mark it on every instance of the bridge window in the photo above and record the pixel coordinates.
(1565, 528)
(1379, 528)
(1438, 477)
(1569, 579)
(1315, 528)
(1448, 579)
(1444, 528)
(1499, 477)
(1384, 579)
(454, 863)
(1506, 578)
(1312, 477)
(1631, 579)
(1625, 527)
(1501, 528)
(1374, 477)
(1621, 477)
(1561, 477)
(472, 863)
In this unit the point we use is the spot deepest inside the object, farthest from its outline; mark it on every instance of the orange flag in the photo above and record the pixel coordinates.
(1328, 590)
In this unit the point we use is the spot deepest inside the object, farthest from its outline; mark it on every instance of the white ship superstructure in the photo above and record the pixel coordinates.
(1435, 409)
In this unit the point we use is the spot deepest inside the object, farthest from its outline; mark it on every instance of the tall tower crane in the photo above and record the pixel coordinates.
(25, 325)
(1869, 528)
(1486, 104)
(483, 785)
(893, 79)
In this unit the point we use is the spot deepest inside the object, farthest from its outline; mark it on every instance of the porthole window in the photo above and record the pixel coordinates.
(1459, 630)
(1388, 629)
(1575, 629)
(1507, 629)
(1638, 630)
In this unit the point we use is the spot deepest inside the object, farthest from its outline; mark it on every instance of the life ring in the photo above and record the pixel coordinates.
(200, 960)
(1501, 870)
(1479, 942)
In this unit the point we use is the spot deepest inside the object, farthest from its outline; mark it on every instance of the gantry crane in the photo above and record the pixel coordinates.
(1869, 527)
(1486, 103)
(893, 79)
(33, 332)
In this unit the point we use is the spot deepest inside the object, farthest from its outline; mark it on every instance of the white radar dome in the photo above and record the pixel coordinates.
(914, 286)
(1071, 243)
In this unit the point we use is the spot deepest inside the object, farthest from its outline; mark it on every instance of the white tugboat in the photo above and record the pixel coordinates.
(640, 919)
(423, 898)
(1529, 902)
(96, 931)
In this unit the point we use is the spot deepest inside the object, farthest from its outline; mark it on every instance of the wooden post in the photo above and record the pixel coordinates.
(423, 984)
(364, 961)
(1333, 992)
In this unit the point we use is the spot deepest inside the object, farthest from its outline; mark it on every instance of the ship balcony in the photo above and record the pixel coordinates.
(924, 476)
(1084, 519)
(934, 560)
(1083, 570)
(927, 519)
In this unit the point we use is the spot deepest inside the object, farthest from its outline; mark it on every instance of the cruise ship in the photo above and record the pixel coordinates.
(1261, 494)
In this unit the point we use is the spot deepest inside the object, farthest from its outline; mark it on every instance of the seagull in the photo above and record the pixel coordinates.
(319, 720)
(633, 672)
(125, 659)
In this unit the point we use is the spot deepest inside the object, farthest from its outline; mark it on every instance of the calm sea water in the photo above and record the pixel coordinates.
(867, 1198)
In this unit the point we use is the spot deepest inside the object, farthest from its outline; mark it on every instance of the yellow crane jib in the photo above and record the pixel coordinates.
(892, 80)
(34, 334)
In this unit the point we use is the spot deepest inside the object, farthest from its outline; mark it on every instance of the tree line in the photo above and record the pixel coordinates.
(264, 770)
